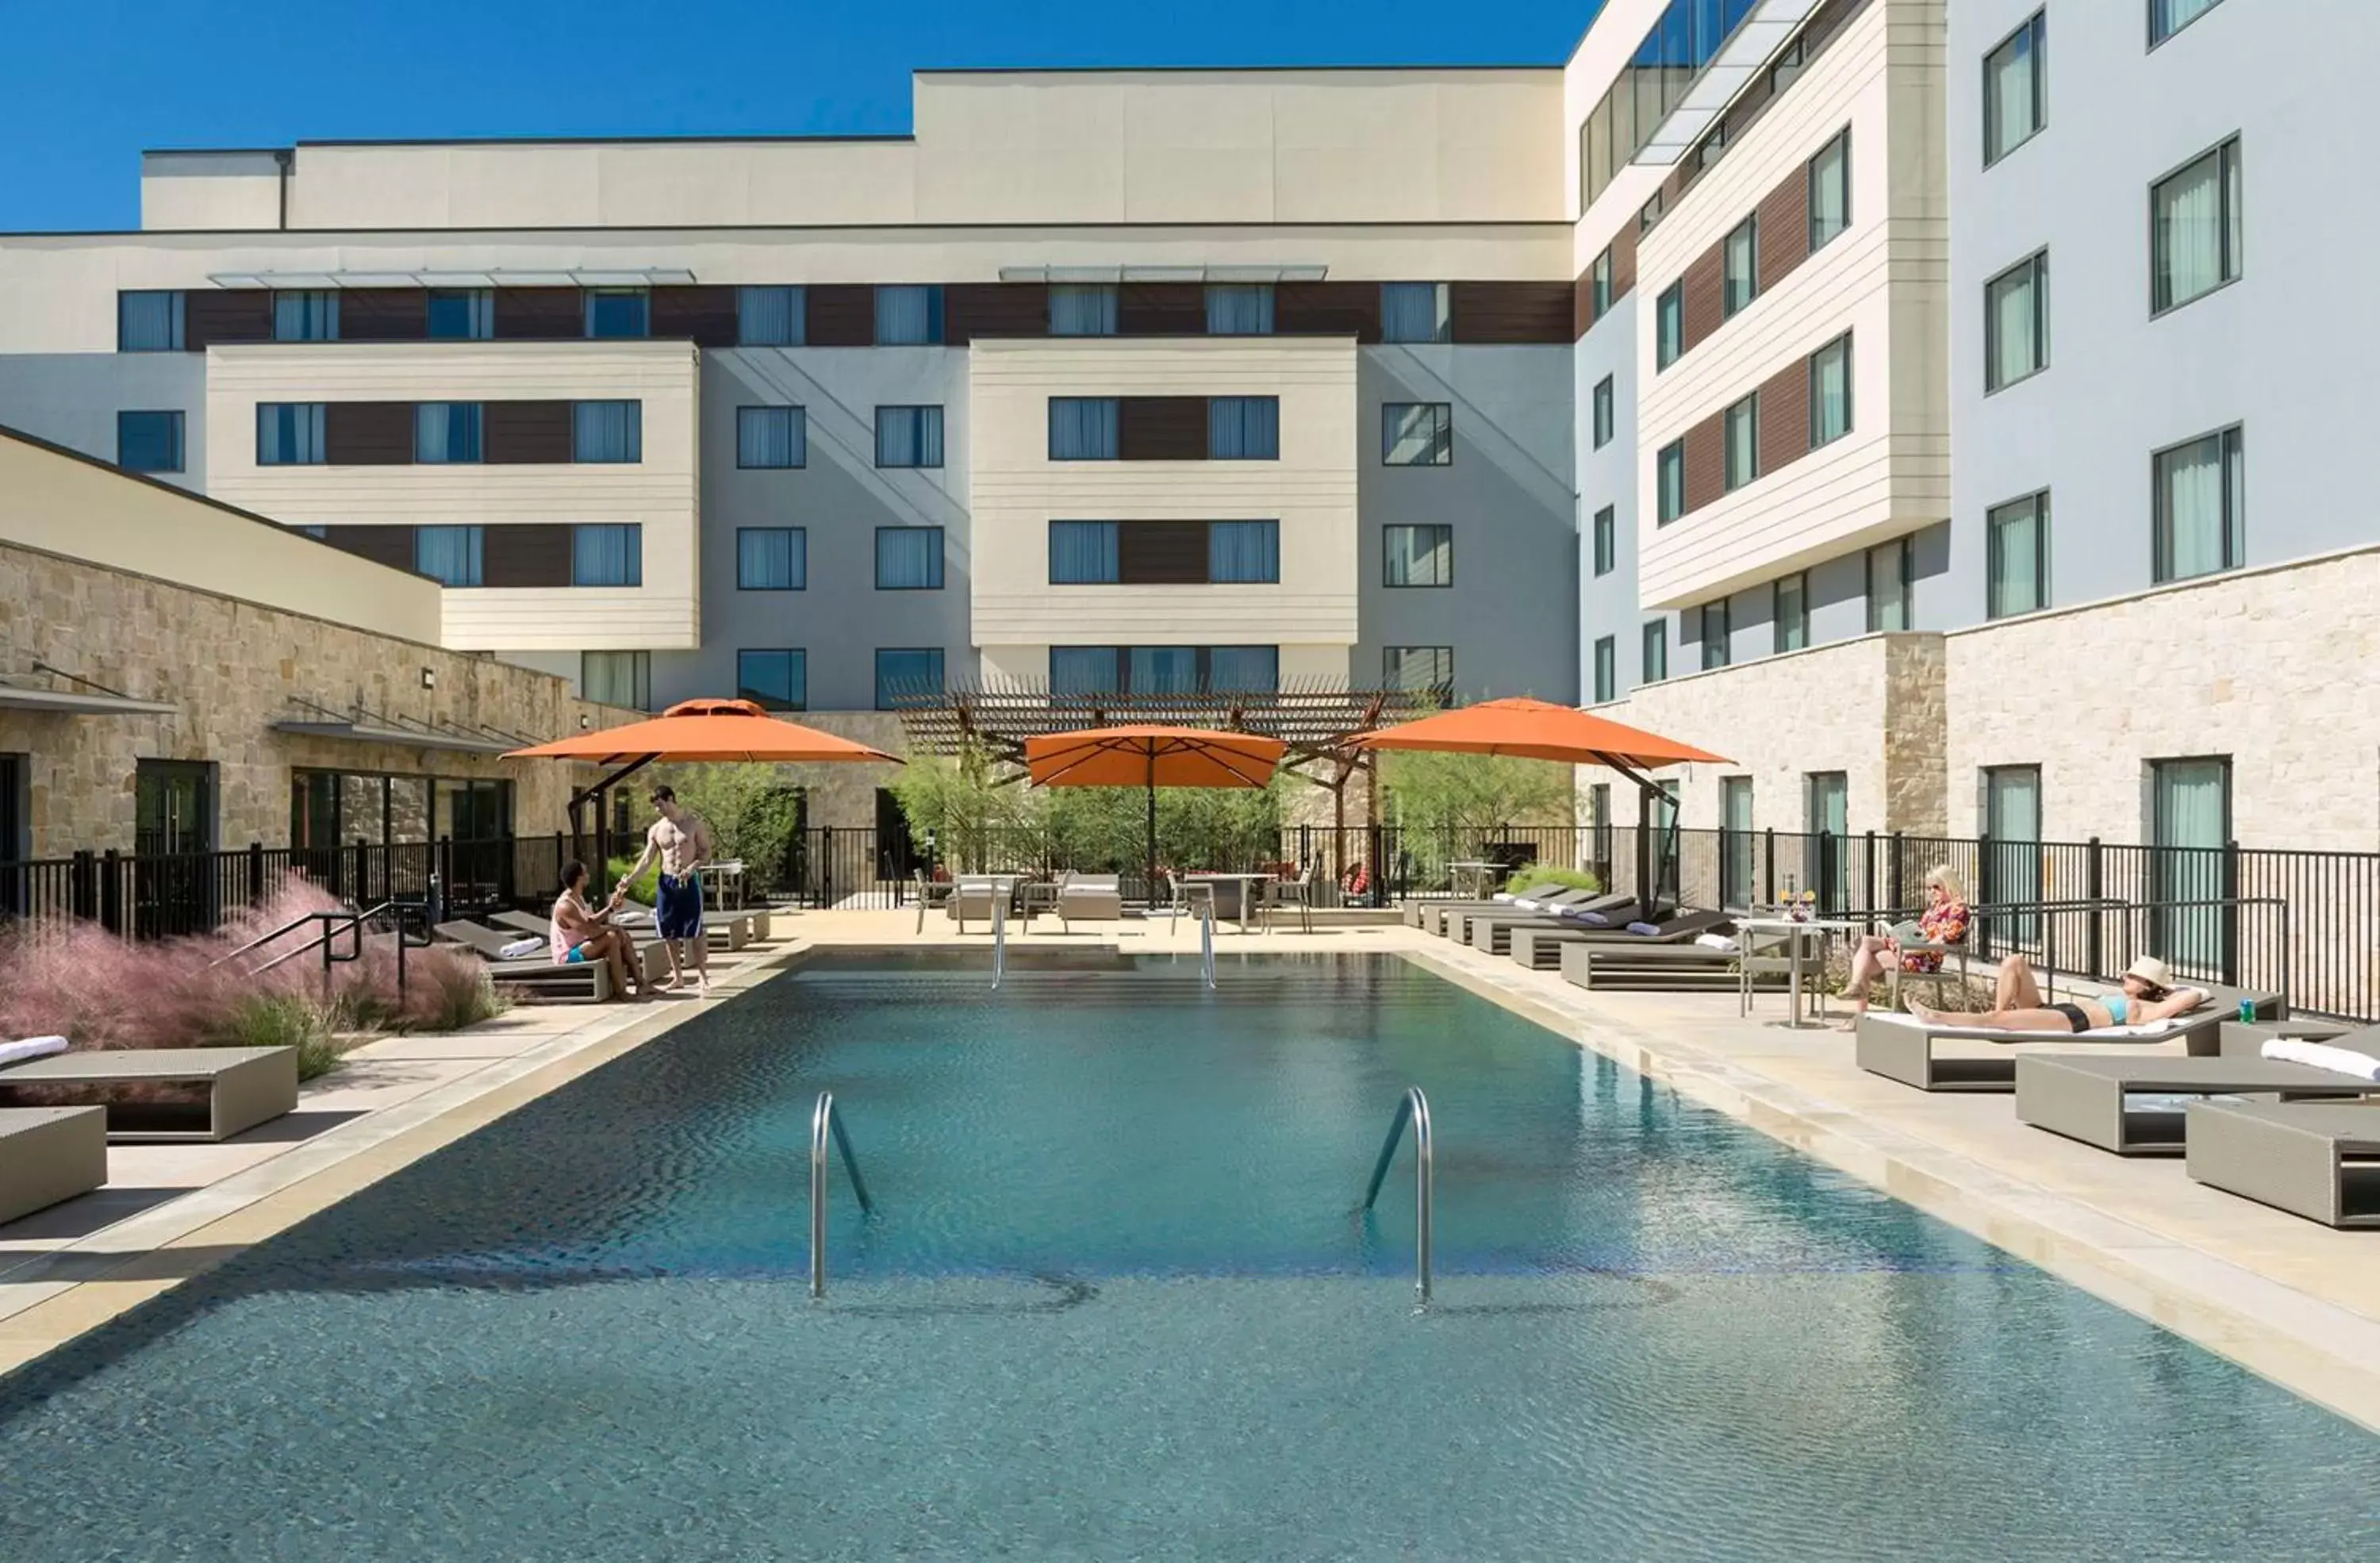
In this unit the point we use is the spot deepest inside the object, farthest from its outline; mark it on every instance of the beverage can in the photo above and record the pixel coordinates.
(2247, 1010)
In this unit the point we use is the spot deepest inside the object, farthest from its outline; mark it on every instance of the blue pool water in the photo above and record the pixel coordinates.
(1117, 1304)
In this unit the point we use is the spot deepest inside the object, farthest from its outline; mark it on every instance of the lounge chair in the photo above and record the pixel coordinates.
(727, 931)
(1090, 897)
(2128, 1106)
(652, 959)
(1668, 961)
(2320, 1160)
(244, 1087)
(49, 1154)
(1457, 922)
(535, 978)
(1904, 1049)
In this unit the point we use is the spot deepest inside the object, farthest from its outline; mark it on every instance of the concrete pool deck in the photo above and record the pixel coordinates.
(2296, 1302)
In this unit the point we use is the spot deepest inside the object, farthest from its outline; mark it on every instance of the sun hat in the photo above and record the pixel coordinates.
(2151, 970)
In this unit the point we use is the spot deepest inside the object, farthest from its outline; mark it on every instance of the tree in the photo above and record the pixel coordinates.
(753, 812)
(976, 811)
(1448, 791)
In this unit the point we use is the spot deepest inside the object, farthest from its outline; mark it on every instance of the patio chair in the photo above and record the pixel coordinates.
(1904, 1049)
(49, 1154)
(2320, 1160)
(2132, 1107)
(1091, 898)
(1200, 897)
(972, 895)
(1913, 941)
(534, 978)
(1298, 892)
(930, 893)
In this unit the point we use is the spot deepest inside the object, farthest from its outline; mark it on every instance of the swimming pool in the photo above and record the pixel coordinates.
(1116, 1303)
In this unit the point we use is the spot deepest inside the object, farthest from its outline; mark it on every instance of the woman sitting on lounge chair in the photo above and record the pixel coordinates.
(580, 934)
(2149, 996)
(1943, 921)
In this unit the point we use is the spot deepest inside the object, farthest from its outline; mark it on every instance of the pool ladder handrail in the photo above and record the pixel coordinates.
(1414, 1109)
(999, 940)
(1207, 949)
(823, 1124)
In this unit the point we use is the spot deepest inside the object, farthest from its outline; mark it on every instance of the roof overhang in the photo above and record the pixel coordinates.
(80, 702)
(1769, 27)
(1122, 274)
(629, 276)
(367, 732)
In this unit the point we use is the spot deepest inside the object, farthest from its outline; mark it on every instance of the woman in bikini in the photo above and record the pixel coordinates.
(2149, 996)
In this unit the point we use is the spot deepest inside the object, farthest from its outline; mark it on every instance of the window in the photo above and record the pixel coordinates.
(1244, 428)
(447, 432)
(1736, 846)
(2194, 229)
(607, 431)
(1418, 667)
(617, 678)
(2016, 548)
(1606, 540)
(1740, 266)
(148, 442)
(773, 437)
(1256, 669)
(2202, 506)
(1892, 574)
(1669, 325)
(148, 321)
(909, 559)
(1670, 482)
(1416, 433)
(1606, 670)
(774, 681)
(772, 559)
(1677, 45)
(1177, 669)
(1239, 309)
(1648, 216)
(1598, 285)
(461, 314)
(2010, 867)
(1787, 67)
(909, 436)
(1415, 312)
(2016, 89)
(1085, 670)
(2016, 322)
(909, 671)
(1084, 428)
(1418, 556)
(1244, 551)
(1085, 553)
(452, 556)
(1830, 190)
(1830, 392)
(1826, 816)
(908, 316)
(1605, 415)
(306, 315)
(1789, 611)
(2190, 824)
(288, 434)
(618, 312)
(1715, 633)
(1656, 650)
(608, 554)
(1742, 442)
(771, 317)
(1082, 309)
(2170, 16)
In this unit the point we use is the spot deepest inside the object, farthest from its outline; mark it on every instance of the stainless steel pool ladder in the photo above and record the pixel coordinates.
(1207, 949)
(822, 1123)
(1414, 1109)
(999, 940)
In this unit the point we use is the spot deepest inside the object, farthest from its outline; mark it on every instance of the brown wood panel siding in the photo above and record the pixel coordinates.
(382, 545)
(1511, 311)
(1785, 416)
(539, 314)
(1582, 304)
(1785, 227)
(1161, 309)
(973, 310)
(1328, 309)
(1161, 553)
(525, 556)
(1705, 462)
(525, 432)
(213, 315)
(367, 433)
(1623, 261)
(842, 315)
(1703, 299)
(383, 314)
(704, 316)
(1161, 429)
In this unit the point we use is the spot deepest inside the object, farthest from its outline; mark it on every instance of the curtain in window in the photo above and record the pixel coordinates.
(1830, 392)
(1248, 668)
(1244, 428)
(908, 315)
(1656, 651)
(446, 432)
(449, 555)
(607, 555)
(1083, 670)
(2013, 547)
(775, 680)
(1417, 434)
(1606, 669)
(1083, 428)
(607, 430)
(288, 434)
(148, 322)
(1830, 191)
(1083, 552)
(2190, 232)
(771, 437)
(908, 436)
(2190, 480)
(1244, 551)
(1164, 670)
(616, 312)
(305, 316)
(462, 314)
(617, 678)
(1743, 456)
(148, 442)
(1082, 309)
(1888, 588)
(1239, 309)
(768, 317)
(772, 559)
(1428, 667)
(2014, 308)
(1792, 614)
(1413, 313)
(1419, 556)
(2192, 806)
(909, 558)
(2009, 105)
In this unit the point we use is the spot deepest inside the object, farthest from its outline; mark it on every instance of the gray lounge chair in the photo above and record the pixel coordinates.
(727, 931)
(2126, 1105)
(653, 958)
(244, 1087)
(1666, 962)
(1899, 1048)
(1457, 922)
(1491, 930)
(1092, 898)
(1539, 945)
(2320, 1160)
(49, 1154)
(535, 977)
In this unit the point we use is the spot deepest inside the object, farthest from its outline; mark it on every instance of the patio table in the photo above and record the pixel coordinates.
(1798, 948)
(1246, 888)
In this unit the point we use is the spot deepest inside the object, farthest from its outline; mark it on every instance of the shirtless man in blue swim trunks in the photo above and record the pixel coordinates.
(682, 842)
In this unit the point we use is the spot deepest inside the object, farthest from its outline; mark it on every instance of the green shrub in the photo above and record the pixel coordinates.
(281, 1020)
(644, 888)
(1535, 878)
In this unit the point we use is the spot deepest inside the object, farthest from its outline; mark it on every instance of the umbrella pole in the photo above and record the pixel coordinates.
(1650, 801)
(1151, 869)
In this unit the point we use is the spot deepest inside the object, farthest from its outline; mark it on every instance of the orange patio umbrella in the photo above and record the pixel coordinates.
(1150, 757)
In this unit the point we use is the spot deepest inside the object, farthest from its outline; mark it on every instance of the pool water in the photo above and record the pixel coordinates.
(1117, 1302)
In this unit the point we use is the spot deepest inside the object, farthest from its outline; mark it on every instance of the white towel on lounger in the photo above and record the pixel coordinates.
(520, 948)
(31, 1047)
(1714, 942)
(2321, 1055)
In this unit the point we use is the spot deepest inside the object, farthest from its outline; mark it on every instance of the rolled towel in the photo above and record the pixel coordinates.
(1714, 942)
(2321, 1055)
(31, 1047)
(521, 946)
(1644, 930)
(1502, 895)
(631, 916)
(1592, 919)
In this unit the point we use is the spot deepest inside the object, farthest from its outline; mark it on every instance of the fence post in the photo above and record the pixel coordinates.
(256, 873)
(2095, 892)
(363, 873)
(1986, 893)
(111, 892)
(2229, 913)
(1869, 904)
(1900, 898)
(1768, 867)
(443, 860)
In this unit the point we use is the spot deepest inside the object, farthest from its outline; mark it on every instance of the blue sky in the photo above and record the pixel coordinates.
(85, 85)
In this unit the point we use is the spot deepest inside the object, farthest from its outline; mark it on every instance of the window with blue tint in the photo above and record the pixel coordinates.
(1244, 551)
(1235, 669)
(1416, 433)
(1244, 428)
(908, 559)
(1083, 428)
(608, 554)
(910, 672)
(1239, 309)
(148, 321)
(908, 316)
(1085, 670)
(1669, 325)
(450, 555)
(1829, 180)
(148, 442)
(618, 312)
(1162, 669)
(773, 437)
(1677, 47)
(1418, 667)
(445, 431)
(288, 434)
(462, 314)
(1656, 650)
(607, 431)
(1670, 482)
(1606, 540)
(306, 315)
(908, 436)
(1082, 309)
(1606, 669)
(2170, 16)
(1084, 553)
(769, 317)
(772, 559)
(774, 681)
(1415, 312)
(1417, 556)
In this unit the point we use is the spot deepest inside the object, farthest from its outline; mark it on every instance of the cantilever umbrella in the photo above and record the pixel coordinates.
(1540, 730)
(1150, 757)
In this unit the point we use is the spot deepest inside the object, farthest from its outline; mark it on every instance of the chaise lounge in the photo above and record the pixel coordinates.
(535, 978)
(1091, 898)
(242, 1086)
(2320, 1160)
(1492, 931)
(1664, 962)
(49, 1154)
(1901, 1048)
(2128, 1106)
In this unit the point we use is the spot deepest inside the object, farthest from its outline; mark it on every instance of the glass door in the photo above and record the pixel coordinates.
(1735, 841)
(2190, 821)
(172, 831)
(2011, 866)
(14, 846)
(1826, 815)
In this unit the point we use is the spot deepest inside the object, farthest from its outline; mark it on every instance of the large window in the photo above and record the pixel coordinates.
(148, 321)
(1606, 669)
(772, 559)
(1891, 586)
(912, 672)
(148, 442)
(2194, 229)
(288, 434)
(774, 681)
(1084, 428)
(2016, 547)
(1418, 667)
(618, 312)
(1606, 540)
(607, 554)
(1418, 556)
(1605, 415)
(1716, 633)
(1247, 553)
(1416, 433)
(1163, 670)
(306, 315)
(1789, 611)
(2189, 826)
(2170, 16)
(1830, 190)
(909, 436)
(445, 432)
(773, 437)
(1239, 309)
(1244, 428)
(460, 314)
(2016, 322)
(1740, 266)
(1599, 283)
(771, 317)
(910, 315)
(617, 678)
(1656, 650)
(1669, 325)
(1082, 309)
(2016, 89)
(1670, 482)
(1830, 392)
(2201, 493)
(1676, 47)
(909, 558)
(1415, 312)
(453, 556)
(1085, 553)
(607, 431)
(1741, 428)
(1736, 843)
